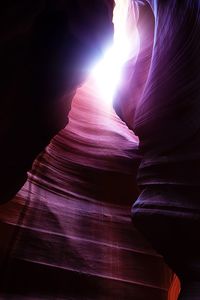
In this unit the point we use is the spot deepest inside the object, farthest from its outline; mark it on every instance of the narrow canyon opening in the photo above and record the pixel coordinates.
(68, 233)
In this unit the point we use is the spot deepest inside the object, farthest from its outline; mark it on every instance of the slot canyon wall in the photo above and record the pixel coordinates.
(164, 114)
(68, 232)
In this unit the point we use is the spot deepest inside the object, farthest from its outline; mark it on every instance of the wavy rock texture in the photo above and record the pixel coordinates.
(68, 232)
(164, 113)
(46, 48)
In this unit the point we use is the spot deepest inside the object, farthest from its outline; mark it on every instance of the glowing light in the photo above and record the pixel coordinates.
(107, 72)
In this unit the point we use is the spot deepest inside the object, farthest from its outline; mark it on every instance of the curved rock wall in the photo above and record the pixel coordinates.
(68, 233)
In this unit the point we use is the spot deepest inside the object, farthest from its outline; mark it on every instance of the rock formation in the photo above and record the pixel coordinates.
(164, 114)
(68, 233)
(46, 48)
